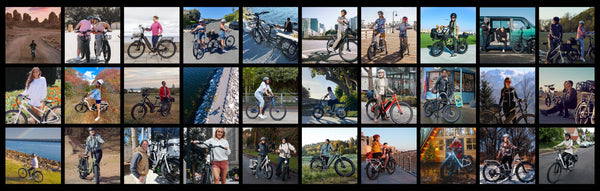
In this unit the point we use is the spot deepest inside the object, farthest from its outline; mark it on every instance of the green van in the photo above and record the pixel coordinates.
(514, 26)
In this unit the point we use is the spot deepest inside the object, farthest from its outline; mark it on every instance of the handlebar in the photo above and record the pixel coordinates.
(210, 145)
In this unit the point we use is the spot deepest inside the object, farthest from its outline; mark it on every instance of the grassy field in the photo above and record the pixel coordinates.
(12, 177)
(111, 116)
(328, 176)
(54, 94)
(151, 118)
(275, 158)
(427, 41)
(548, 146)
(544, 38)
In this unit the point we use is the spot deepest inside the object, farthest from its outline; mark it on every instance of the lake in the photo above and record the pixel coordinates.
(49, 150)
(195, 82)
(277, 15)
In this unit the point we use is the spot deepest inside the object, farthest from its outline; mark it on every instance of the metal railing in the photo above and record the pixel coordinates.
(283, 98)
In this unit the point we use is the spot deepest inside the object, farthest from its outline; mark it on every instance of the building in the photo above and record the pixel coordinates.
(314, 24)
(574, 133)
(402, 80)
(438, 139)
(463, 78)
(354, 23)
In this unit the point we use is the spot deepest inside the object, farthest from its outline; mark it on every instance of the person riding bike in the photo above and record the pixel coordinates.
(554, 36)
(380, 23)
(508, 99)
(284, 148)
(381, 87)
(34, 165)
(93, 145)
(331, 102)
(37, 90)
(568, 152)
(82, 26)
(402, 28)
(264, 88)
(505, 151)
(98, 28)
(96, 94)
(201, 28)
(342, 25)
(222, 34)
(456, 147)
(32, 46)
(263, 151)
(453, 26)
(443, 85)
(378, 149)
(157, 30)
(325, 152)
(581, 34)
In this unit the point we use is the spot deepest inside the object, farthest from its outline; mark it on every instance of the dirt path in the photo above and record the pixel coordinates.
(110, 167)
(18, 50)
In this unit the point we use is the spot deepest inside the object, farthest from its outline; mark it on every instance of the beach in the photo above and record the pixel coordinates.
(26, 158)
(225, 106)
(147, 58)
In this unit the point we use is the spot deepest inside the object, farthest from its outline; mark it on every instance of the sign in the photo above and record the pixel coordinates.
(458, 99)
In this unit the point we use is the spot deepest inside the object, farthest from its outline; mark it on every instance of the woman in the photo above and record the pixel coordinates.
(332, 101)
(502, 37)
(402, 29)
(36, 89)
(201, 29)
(222, 34)
(381, 87)
(456, 147)
(264, 88)
(157, 30)
(98, 28)
(508, 96)
(581, 34)
(220, 165)
(505, 151)
(96, 94)
(285, 150)
(453, 26)
(568, 152)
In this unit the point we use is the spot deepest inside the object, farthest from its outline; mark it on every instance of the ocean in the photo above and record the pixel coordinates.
(277, 15)
(196, 81)
(49, 150)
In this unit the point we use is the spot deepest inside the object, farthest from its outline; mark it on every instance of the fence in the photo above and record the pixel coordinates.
(283, 98)
(407, 161)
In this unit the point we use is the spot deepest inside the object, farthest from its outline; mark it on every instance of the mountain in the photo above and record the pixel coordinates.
(524, 83)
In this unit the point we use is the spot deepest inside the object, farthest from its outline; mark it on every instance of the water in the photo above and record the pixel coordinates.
(49, 150)
(277, 15)
(208, 97)
(195, 83)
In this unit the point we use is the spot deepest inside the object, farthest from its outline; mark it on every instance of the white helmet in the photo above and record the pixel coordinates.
(581, 22)
(505, 135)
(223, 20)
(380, 71)
(100, 81)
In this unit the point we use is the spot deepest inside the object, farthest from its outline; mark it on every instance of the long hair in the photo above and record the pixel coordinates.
(31, 77)
(222, 129)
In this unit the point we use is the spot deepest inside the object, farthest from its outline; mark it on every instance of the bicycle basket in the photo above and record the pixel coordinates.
(137, 34)
(370, 94)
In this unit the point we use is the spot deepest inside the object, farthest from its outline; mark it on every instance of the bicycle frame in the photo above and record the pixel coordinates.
(24, 109)
(452, 156)
(336, 156)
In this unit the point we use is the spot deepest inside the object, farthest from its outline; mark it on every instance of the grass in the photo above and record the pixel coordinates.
(54, 94)
(544, 38)
(328, 176)
(275, 158)
(12, 177)
(427, 41)
(548, 146)
(111, 116)
(151, 118)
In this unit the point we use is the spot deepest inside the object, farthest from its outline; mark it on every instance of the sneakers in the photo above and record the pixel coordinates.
(502, 50)
(224, 51)
(262, 116)
(78, 58)
(582, 59)
(97, 118)
(29, 178)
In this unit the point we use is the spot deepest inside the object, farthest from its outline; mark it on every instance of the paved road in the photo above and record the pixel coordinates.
(328, 120)
(218, 105)
(365, 119)
(115, 48)
(553, 118)
(151, 178)
(393, 43)
(290, 118)
(249, 178)
(467, 116)
(496, 56)
(262, 54)
(584, 168)
(148, 58)
(18, 50)
(310, 49)
(468, 57)
(399, 177)
(230, 57)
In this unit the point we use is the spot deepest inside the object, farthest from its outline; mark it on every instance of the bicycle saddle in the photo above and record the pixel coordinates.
(157, 97)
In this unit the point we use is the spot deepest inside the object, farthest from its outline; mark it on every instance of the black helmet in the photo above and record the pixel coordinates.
(452, 15)
(91, 129)
(380, 12)
(568, 134)
(556, 19)
(282, 138)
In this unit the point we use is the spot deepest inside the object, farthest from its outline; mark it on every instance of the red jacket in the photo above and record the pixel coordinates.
(164, 93)
(456, 146)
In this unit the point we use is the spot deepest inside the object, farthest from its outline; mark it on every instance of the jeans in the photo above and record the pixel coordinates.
(154, 41)
(331, 104)
(280, 165)
(98, 47)
(98, 155)
(582, 47)
(507, 159)
(506, 108)
(562, 107)
(259, 97)
(484, 43)
(553, 45)
(259, 165)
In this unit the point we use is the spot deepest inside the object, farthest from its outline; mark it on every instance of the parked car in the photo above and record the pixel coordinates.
(234, 25)
(584, 144)
(513, 26)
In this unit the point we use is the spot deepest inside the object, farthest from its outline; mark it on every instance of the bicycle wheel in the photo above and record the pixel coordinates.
(553, 173)
(428, 108)
(488, 117)
(268, 172)
(289, 49)
(446, 169)
(471, 166)
(106, 51)
(548, 101)
(22, 172)
(136, 49)
(525, 172)
(451, 113)
(316, 164)
(371, 52)
(491, 172)
(13, 117)
(462, 46)
(256, 36)
(52, 116)
(138, 111)
(213, 44)
(369, 109)
(284, 172)
(318, 113)
(526, 119)
(344, 167)
(207, 178)
(401, 114)
(329, 45)
(86, 51)
(391, 166)
(97, 173)
(371, 171)
(195, 49)
(580, 112)
(341, 112)
(229, 41)
(591, 53)
(436, 49)
(349, 52)
(278, 111)
(81, 108)
(166, 48)
(252, 111)
(38, 176)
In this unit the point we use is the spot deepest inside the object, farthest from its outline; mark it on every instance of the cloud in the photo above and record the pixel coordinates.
(89, 76)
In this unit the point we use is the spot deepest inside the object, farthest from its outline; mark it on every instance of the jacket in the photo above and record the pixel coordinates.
(507, 97)
(264, 149)
(164, 92)
(570, 98)
(139, 163)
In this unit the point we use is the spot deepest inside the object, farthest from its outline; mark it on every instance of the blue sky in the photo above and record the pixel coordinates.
(431, 16)
(550, 12)
(89, 73)
(319, 134)
(138, 77)
(33, 133)
(401, 138)
(213, 12)
(558, 76)
(527, 12)
(328, 15)
(316, 86)
(517, 69)
(369, 14)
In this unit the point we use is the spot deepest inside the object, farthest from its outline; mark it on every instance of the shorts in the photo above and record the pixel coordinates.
(382, 34)
(220, 165)
(201, 35)
(403, 35)
(98, 101)
(377, 155)
(221, 35)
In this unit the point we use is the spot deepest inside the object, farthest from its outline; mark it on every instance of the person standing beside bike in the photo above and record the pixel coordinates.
(139, 163)
(221, 155)
(331, 102)
(485, 33)
(201, 28)
(165, 96)
(98, 28)
(505, 150)
(402, 33)
(453, 27)
(263, 151)
(285, 149)
(93, 145)
(568, 152)
(326, 152)
(380, 23)
(508, 98)
(264, 88)
(157, 30)
(554, 36)
(381, 87)
(222, 34)
(564, 103)
(456, 147)
(36, 89)
(83, 26)
(442, 85)
(581, 34)
(342, 25)
(96, 94)
(34, 165)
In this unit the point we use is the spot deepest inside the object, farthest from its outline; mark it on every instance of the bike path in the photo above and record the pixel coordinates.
(291, 117)
(261, 53)
(398, 177)
(328, 120)
(249, 178)
(231, 56)
(582, 174)
(365, 119)
(310, 49)
(468, 57)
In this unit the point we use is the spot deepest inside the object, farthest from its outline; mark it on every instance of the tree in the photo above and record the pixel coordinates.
(549, 134)
(134, 138)
(344, 77)
(486, 94)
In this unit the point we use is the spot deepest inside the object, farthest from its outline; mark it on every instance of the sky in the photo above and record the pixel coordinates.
(527, 12)
(212, 12)
(558, 76)
(319, 134)
(316, 86)
(369, 14)
(40, 12)
(168, 19)
(136, 77)
(431, 16)
(521, 70)
(89, 73)
(402, 138)
(33, 133)
(328, 15)
(550, 12)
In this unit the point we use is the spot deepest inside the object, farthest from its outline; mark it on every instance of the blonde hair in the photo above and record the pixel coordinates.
(31, 77)
(222, 129)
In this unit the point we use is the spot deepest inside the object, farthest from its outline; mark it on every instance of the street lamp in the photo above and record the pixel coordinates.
(394, 14)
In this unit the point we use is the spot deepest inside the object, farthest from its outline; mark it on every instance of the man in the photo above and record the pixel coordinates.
(82, 26)
(566, 102)
(325, 152)
(485, 33)
(288, 27)
(263, 150)
(93, 145)
(34, 165)
(342, 25)
(380, 23)
(554, 36)
(502, 37)
(442, 85)
(139, 163)
(165, 96)
(285, 150)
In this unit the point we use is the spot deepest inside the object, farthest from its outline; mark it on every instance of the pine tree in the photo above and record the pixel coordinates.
(486, 100)
(429, 152)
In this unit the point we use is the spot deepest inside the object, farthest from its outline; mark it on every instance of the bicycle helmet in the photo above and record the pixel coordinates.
(90, 17)
(263, 138)
(452, 15)
(32, 154)
(91, 129)
(98, 18)
(100, 81)
(556, 19)
(265, 78)
(380, 71)
(568, 134)
(505, 135)
(581, 22)
(380, 12)
(282, 138)
(344, 10)
(201, 20)
(376, 136)
(223, 20)
(405, 18)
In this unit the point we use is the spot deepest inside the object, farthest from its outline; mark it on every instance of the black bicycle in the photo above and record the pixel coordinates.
(139, 110)
(284, 42)
(343, 166)
(35, 174)
(205, 176)
(347, 47)
(105, 49)
(165, 47)
(85, 47)
(450, 111)
(443, 38)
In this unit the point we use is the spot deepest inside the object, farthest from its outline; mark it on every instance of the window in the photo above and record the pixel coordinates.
(440, 145)
(517, 24)
(433, 77)
(468, 82)
(470, 144)
(500, 23)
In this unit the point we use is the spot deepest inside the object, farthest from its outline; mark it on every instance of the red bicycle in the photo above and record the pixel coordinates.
(399, 111)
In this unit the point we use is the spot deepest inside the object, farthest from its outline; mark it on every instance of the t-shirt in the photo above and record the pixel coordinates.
(380, 25)
(403, 28)
(332, 95)
(342, 24)
(262, 87)
(376, 147)
(84, 25)
(556, 30)
(37, 91)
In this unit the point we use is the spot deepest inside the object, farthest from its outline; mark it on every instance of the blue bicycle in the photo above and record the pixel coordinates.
(277, 110)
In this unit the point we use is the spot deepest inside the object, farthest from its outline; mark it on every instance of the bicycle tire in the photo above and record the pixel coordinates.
(37, 176)
(280, 109)
(22, 172)
(97, 173)
(268, 173)
(405, 108)
(329, 45)
(495, 177)
(256, 36)
(56, 110)
(316, 164)
(371, 52)
(578, 112)
(229, 41)
(437, 48)
(213, 44)
(591, 53)
(163, 47)
(250, 111)
(427, 110)
(522, 166)
(462, 46)
(21, 119)
(86, 51)
(488, 117)
(446, 113)
(446, 169)
(341, 112)
(527, 119)
(338, 165)
(81, 108)
(318, 113)
(371, 172)
(556, 169)
(351, 58)
(106, 51)
(548, 101)
(142, 110)
(391, 166)
(369, 109)
(137, 46)
(291, 52)
(195, 49)
(471, 167)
